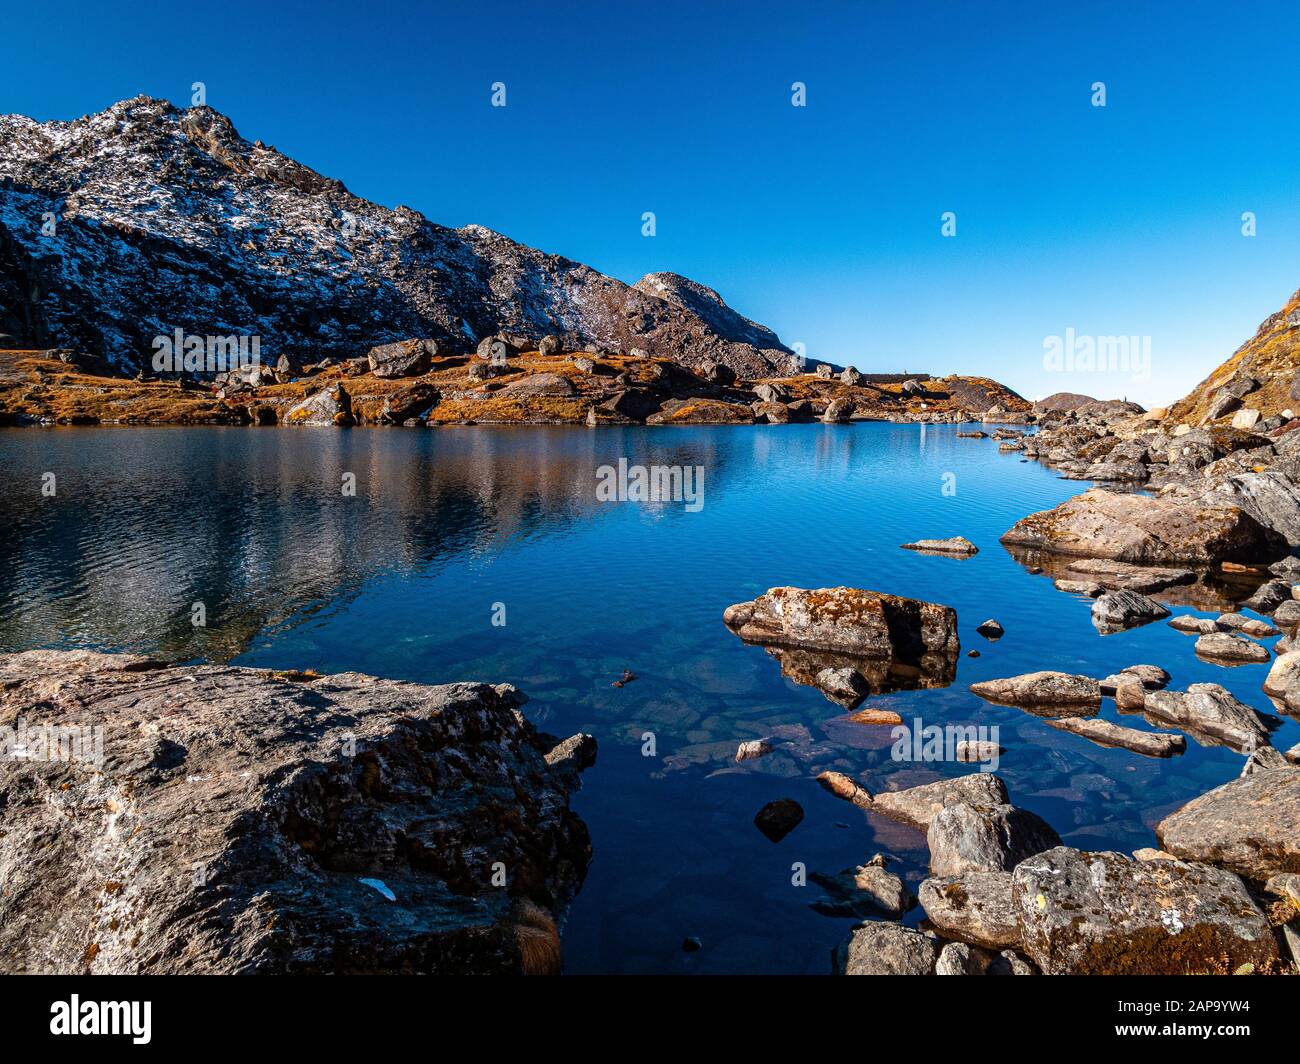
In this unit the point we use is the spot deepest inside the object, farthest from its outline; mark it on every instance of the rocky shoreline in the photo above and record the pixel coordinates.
(506, 381)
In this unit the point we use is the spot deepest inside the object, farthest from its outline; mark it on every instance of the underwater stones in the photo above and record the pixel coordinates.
(778, 818)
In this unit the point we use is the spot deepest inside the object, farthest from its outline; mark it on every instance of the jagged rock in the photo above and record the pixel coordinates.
(237, 814)
(1248, 825)
(772, 393)
(974, 907)
(1245, 419)
(1151, 677)
(847, 621)
(777, 819)
(1223, 646)
(407, 358)
(886, 949)
(846, 686)
(991, 630)
(329, 406)
(1117, 610)
(1271, 498)
(959, 545)
(1146, 529)
(1104, 733)
(1210, 710)
(1121, 576)
(825, 372)
(918, 806)
(1090, 588)
(1287, 614)
(1103, 914)
(636, 404)
(849, 375)
(987, 838)
(1049, 689)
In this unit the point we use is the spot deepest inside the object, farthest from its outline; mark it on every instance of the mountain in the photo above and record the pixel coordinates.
(1263, 376)
(164, 218)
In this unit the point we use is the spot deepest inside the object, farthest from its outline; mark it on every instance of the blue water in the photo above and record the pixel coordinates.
(448, 526)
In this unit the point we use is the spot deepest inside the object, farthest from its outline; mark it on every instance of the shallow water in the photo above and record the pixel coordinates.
(404, 580)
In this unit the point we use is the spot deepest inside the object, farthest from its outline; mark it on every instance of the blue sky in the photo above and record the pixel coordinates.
(822, 221)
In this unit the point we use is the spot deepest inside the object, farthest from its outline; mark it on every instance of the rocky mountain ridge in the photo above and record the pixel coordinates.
(124, 225)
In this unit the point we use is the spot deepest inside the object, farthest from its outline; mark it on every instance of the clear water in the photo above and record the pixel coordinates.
(403, 579)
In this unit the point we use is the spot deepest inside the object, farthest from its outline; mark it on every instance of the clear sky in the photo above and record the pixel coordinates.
(821, 221)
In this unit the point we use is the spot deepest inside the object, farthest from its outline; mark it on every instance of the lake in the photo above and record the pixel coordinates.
(485, 553)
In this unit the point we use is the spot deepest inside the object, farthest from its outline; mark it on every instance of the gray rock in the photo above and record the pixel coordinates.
(845, 686)
(954, 545)
(918, 806)
(957, 958)
(329, 406)
(847, 621)
(1287, 614)
(549, 345)
(406, 358)
(1104, 733)
(1239, 622)
(1223, 646)
(1269, 596)
(1193, 625)
(753, 748)
(886, 949)
(777, 819)
(1103, 914)
(1210, 710)
(968, 838)
(1009, 962)
(975, 908)
(585, 365)
(1041, 689)
(1147, 529)
(236, 812)
(1118, 610)
(1247, 825)
(838, 410)
(552, 384)
(868, 890)
(849, 375)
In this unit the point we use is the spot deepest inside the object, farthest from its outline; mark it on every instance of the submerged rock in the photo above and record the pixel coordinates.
(777, 819)
(1103, 914)
(1248, 825)
(1104, 733)
(236, 814)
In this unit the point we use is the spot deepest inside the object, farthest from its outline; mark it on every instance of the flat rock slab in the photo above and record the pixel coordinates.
(1250, 825)
(918, 806)
(1103, 914)
(1230, 649)
(887, 949)
(1104, 733)
(1042, 689)
(1147, 530)
(239, 820)
(1209, 710)
(959, 546)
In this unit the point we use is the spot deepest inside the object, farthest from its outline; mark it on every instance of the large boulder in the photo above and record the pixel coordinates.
(847, 620)
(886, 949)
(1250, 825)
(406, 358)
(968, 838)
(975, 907)
(329, 406)
(918, 806)
(1271, 497)
(1103, 914)
(245, 821)
(1209, 710)
(1147, 529)
(552, 384)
